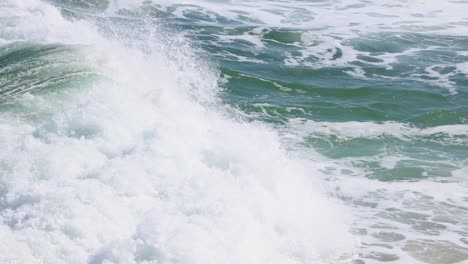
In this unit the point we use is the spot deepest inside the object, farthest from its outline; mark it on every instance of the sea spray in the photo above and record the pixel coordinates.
(136, 161)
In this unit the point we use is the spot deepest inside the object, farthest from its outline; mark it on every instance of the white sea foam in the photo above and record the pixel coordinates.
(463, 68)
(32, 20)
(148, 168)
(346, 16)
(328, 26)
(145, 167)
(407, 221)
(355, 129)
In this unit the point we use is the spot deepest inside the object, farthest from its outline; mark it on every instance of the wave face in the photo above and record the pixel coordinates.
(200, 131)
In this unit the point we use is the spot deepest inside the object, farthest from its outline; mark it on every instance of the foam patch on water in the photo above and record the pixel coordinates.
(332, 32)
(346, 15)
(405, 212)
(354, 129)
(410, 222)
(463, 68)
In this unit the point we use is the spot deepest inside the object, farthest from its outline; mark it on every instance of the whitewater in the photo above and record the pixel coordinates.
(233, 132)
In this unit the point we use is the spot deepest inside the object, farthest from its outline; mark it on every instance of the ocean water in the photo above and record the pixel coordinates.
(199, 131)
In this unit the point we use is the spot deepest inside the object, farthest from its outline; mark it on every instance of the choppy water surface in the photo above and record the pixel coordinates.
(233, 131)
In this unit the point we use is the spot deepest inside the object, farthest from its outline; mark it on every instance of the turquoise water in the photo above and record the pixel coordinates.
(233, 131)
